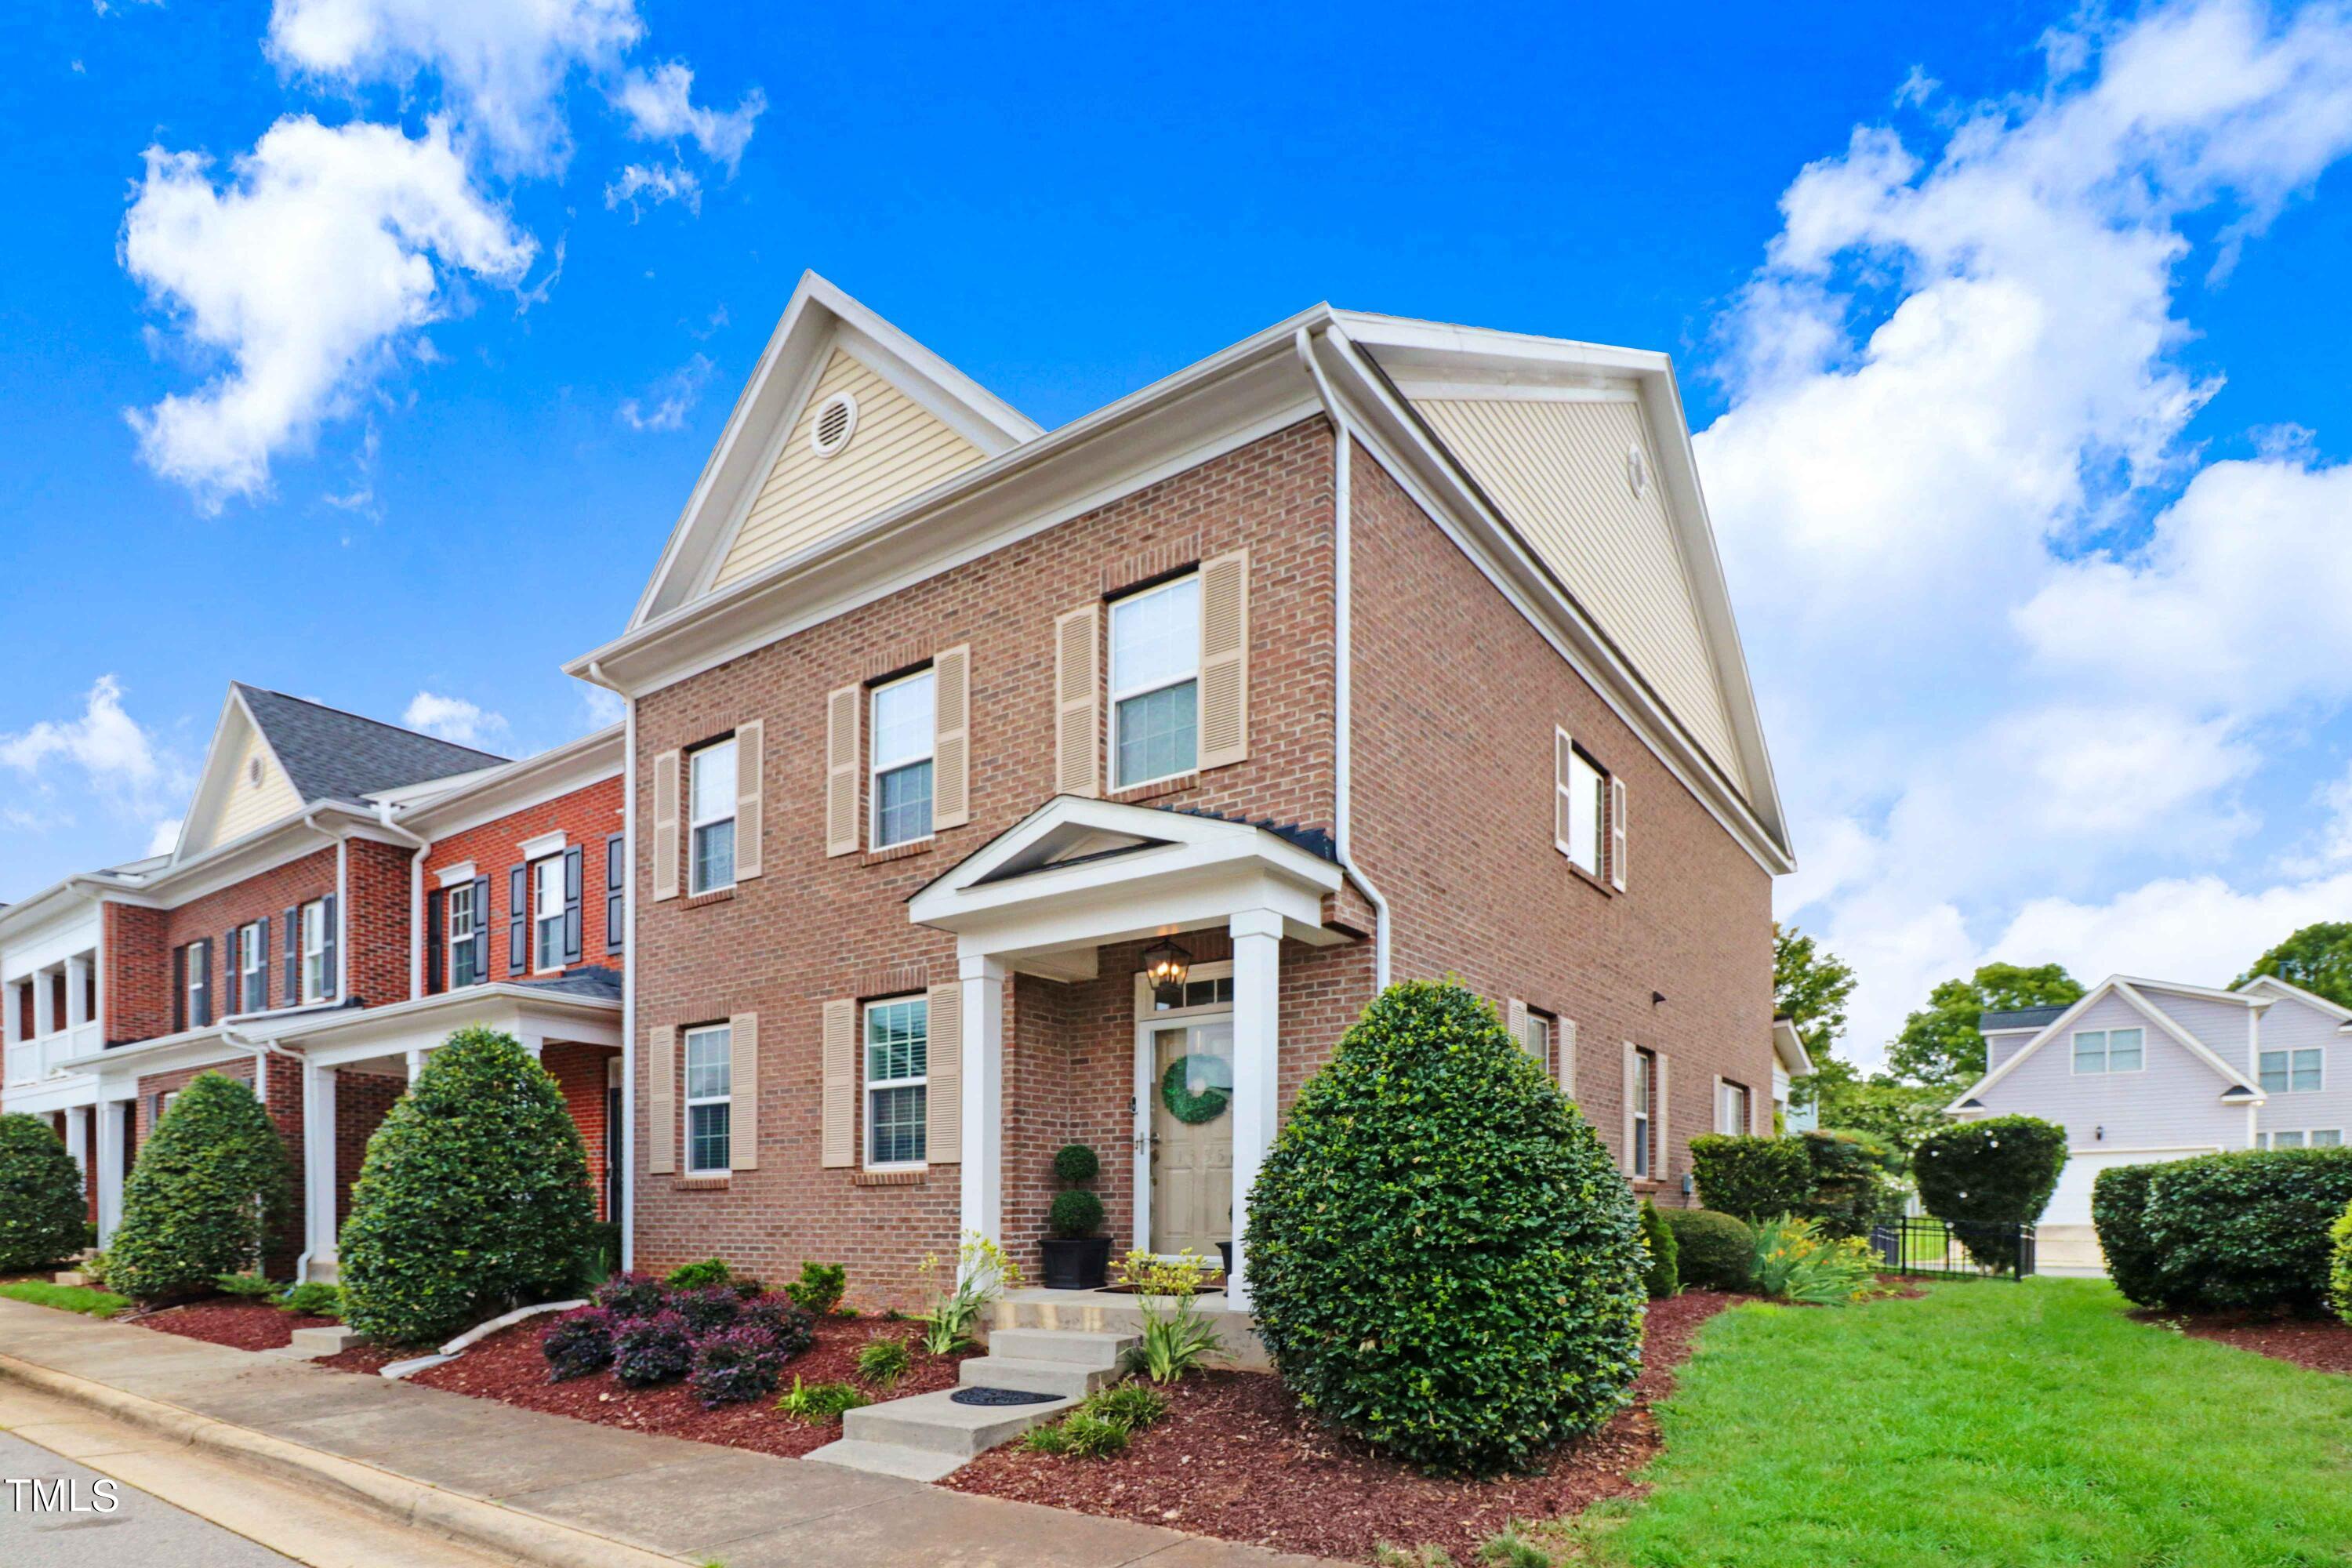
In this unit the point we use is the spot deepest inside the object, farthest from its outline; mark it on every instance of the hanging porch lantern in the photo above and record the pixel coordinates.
(1165, 965)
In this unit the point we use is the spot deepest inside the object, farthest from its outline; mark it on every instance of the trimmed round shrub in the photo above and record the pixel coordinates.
(782, 1320)
(474, 1198)
(2247, 1229)
(695, 1276)
(737, 1365)
(1853, 1177)
(1713, 1251)
(2339, 1273)
(1663, 1276)
(2119, 1214)
(209, 1190)
(578, 1344)
(632, 1295)
(1443, 1257)
(1075, 1162)
(649, 1350)
(1751, 1178)
(1074, 1212)
(44, 1216)
(708, 1309)
(819, 1288)
(1982, 1177)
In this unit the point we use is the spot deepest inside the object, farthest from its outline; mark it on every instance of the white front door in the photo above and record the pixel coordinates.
(1184, 1081)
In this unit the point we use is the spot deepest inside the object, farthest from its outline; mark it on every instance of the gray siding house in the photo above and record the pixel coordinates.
(2144, 1070)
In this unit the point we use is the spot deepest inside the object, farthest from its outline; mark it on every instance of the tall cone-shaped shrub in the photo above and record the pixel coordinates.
(474, 1198)
(1443, 1258)
(211, 1185)
(43, 1214)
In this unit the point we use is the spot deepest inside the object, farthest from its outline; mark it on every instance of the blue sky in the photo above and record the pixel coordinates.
(2015, 334)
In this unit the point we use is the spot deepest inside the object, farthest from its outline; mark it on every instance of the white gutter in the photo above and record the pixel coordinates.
(416, 898)
(628, 1215)
(1343, 676)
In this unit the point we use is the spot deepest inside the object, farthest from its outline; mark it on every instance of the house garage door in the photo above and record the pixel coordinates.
(2071, 1204)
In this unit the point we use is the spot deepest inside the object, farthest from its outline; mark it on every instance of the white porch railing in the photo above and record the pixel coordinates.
(24, 1062)
(31, 1061)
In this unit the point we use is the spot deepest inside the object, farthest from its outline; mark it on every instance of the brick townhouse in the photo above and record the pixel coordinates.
(344, 894)
(994, 788)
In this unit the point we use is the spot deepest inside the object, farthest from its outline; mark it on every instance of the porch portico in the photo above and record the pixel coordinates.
(1044, 897)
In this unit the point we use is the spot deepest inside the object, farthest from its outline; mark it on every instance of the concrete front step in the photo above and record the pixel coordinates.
(1066, 1379)
(889, 1459)
(936, 1424)
(73, 1277)
(1076, 1346)
(308, 1342)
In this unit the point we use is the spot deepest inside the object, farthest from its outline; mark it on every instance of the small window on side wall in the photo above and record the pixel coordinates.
(710, 801)
(710, 1101)
(1580, 805)
(1732, 1108)
(1642, 1089)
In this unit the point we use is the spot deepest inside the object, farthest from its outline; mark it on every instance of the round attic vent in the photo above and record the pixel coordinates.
(836, 421)
(1637, 471)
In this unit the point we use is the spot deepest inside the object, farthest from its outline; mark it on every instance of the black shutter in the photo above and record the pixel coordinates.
(230, 996)
(327, 987)
(433, 903)
(573, 880)
(293, 957)
(519, 919)
(616, 873)
(179, 989)
(481, 929)
(259, 1001)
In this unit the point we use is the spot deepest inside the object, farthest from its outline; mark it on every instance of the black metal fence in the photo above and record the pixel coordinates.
(1922, 1245)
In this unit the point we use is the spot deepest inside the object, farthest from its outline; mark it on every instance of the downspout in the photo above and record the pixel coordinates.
(415, 897)
(628, 1215)
(262, 1051)
(1343, 675)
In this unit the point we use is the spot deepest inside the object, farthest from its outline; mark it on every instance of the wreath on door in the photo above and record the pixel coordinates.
(1186, 1102)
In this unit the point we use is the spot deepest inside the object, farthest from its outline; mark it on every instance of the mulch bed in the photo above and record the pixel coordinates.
(1235, 1459)
(508, 1367)
(240, 1324)
(2322, 1344)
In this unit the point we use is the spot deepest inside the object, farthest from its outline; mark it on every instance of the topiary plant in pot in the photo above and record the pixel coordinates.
(1076, 1253)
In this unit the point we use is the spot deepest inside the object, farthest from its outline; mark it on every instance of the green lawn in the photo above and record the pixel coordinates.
(67, 1297)
(1988, 1424)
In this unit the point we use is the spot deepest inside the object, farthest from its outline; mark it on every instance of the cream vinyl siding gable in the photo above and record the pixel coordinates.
(244, 805)
(897, 450)
(1558, 469)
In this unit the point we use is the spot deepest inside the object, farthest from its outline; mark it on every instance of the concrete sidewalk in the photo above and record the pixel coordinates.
(540, 1489)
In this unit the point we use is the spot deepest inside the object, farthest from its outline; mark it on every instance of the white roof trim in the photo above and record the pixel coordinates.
(206, 799)
(1790, 1046)
(2289, 989)
(2175, 988)
(2062, 1023)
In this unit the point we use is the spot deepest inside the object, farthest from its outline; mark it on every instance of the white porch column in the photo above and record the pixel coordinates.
(12, 1013)
(112, 1116)
(983, 1095)
(1257, 1029)
(45, 1002)
(319, 1162)
(77, 990)
(78, 1139)
(415, 1065)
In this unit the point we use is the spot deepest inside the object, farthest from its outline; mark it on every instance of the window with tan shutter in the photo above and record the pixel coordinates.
(1077, 634)
(952, 739)
(842, 709)
(665, 770)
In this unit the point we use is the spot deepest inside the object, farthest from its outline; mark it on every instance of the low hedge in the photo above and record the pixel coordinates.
(211, 1185)
(1751, 1178)
(1713, 1251)
(44, 1218)
(2247, 1229)
(1853, 1182)
(2119, 1214)
(2339, 1274)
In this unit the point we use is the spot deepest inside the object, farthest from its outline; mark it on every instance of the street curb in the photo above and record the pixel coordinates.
(469, 1520)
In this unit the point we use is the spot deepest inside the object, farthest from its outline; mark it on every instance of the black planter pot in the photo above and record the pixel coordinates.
(1082, 1263)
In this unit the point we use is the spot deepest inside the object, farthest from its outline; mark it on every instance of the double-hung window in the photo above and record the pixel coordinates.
(905, 721)
(1582, 808)
(547, 912)
(460, 916)
(1645, 1076)
(1534, 1038)
(2301, 1071)
(897, 1062)
(2109, 1050)
(1155, 683)
(1731, 1107)
(316, 981)
(710, 1091)
(2320, 1138)
(710, 801)
(252, 975)
(198, 1001)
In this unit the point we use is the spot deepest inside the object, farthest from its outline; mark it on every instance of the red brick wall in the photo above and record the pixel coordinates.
(362, 1100)
(376, 923)
(267, 896)
(585, 816)
(1455, 698)
(283, 1099)
(137, 973)
(579, 1072)
(813, 928)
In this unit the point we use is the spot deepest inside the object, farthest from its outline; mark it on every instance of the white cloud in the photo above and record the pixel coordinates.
(2022, 651)
(166, 837)
(105, 755)
(671, 398)
(502, 67)
(2198, 930)
(650, 184)
(605, 707)
(452, 719)
(300, 270)
(660, 108)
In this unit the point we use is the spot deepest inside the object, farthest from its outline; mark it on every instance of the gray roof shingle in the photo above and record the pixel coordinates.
(334, 755)
(2019, 1018)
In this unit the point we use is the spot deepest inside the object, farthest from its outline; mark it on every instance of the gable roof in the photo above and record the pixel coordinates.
(2238, 1089)
(2287, 989)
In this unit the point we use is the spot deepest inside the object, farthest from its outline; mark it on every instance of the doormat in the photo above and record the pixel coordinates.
(999, 1396)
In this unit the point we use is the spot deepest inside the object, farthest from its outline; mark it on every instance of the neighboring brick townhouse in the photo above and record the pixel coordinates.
(995, 788)
(318, 926)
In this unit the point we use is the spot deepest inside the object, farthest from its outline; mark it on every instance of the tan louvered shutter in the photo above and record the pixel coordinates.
(664, 827)
(1224, 659)
(661, 1100)
(842, 713)
(744, 1092)
(751, 746)
(943, 1097)
(1566, 1029)
(1632, 1076)
(1562, 748)
(1515, 1019)
(1077, 756)
(1617, 834)
(951, 737)
(839, 1143)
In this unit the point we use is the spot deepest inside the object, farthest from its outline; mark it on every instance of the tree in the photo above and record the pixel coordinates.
(1939, 1046)
(210, 1187)
(2318, 958)
(43, 1216)
(1898, 1115)
(1810, 987)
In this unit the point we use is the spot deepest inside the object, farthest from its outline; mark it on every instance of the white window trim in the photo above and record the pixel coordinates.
(2269, 1139)
(1540, 1026)
(1742, 1124)
(695, 823)
(871, 1083)
(450, 876)
(198, 980)
(313, 967)
(686, 1061)
(450, 939)
(249, 967)
(1118, 695)
(876, 767)
(539, 918)
(2290, 1053)
(1149, 1011)
(546, 844)
(2106, 1051)
(1643, 1089)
